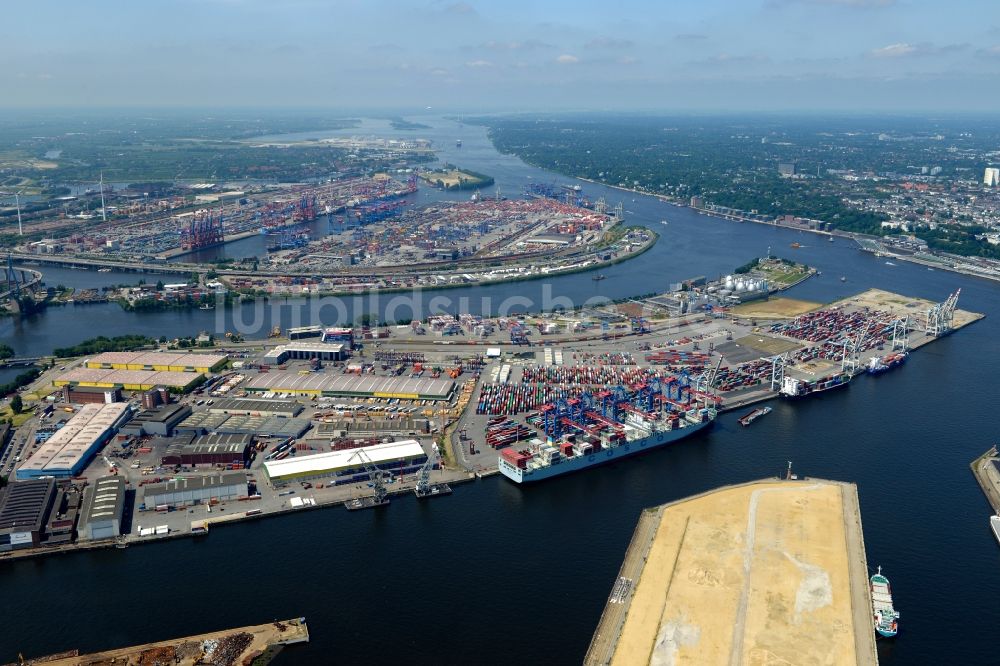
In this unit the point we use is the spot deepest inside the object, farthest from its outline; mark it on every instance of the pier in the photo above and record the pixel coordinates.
(771, 571)
(257, 644)
(986, 469)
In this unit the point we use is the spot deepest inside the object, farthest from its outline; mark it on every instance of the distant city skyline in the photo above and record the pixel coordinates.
(770, 55)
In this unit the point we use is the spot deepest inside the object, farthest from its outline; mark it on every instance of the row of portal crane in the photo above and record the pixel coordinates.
(204, 229)
(593, 413)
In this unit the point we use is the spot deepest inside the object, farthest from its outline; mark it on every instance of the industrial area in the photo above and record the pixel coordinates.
(129, 447)
(348, 235)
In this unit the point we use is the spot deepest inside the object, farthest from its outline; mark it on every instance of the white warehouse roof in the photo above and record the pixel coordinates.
(321, 463)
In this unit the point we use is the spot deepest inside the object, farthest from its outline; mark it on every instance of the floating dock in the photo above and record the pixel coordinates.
(435, 490)
(365, 503)
(763, 572)
(244, 645)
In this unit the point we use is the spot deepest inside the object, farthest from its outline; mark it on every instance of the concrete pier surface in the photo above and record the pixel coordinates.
(985, 469)
(766, 572)
(229, 647)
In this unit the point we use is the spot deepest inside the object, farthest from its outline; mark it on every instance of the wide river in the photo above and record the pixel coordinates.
(498, 574)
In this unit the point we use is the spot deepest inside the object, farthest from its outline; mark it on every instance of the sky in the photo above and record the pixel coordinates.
(504, 55)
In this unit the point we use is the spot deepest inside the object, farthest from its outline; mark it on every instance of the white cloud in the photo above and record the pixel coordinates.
(567, 59)
(904, 49)
(894, 51)
(526, 45)
(609, 43)
(460, 8)
(479, 63)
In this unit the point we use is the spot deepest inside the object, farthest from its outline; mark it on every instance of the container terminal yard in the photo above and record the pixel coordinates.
(369, 247)
(232, 647)
(771, 571)
(128, 448)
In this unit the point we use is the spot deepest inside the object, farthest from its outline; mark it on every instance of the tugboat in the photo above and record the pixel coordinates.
(886, 617)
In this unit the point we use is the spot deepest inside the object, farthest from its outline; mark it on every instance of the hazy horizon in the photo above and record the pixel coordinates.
(749, 56)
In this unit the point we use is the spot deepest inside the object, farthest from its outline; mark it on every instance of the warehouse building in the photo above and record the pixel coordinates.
(256, 407)
(61, 528)
(24, 510)
(130, 380)
(305, 351)
(217, 449)
(195, 490)
(302, 332)
(160, 421)
(374, 428)
(339, 335)
(347, 466)
(201, 423)
(272, 426)
(351, 386)
(107, 505)
(158, 361)
(68, 451)
(85, 395)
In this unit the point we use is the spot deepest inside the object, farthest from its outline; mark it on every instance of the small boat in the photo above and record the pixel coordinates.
(995, 526)
(886, 617)
(664, 222)
(843, 279)
(599, 276)
(458, 143)
(747, 419)
(796, 246)
(889, 263)
(207, 306)
(104, 270)
(830, 239)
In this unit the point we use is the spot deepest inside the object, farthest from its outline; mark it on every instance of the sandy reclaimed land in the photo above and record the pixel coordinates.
(900, 305)
(775, 308)
(770, 572)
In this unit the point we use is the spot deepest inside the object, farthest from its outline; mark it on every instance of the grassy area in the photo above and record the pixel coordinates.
(453, 178)
(787, 275)
(17, 419)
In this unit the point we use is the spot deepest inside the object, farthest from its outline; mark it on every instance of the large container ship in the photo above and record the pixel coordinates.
(880, 364)
(797, 388)
(600, 441)
(885, 617)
